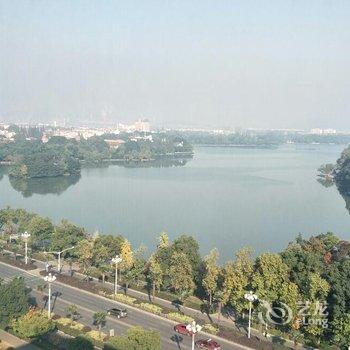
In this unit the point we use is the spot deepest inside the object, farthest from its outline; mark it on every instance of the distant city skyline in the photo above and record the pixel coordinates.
(271, 64)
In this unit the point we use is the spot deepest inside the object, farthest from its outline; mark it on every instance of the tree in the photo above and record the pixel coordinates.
(237, 278)
(181, 274)
(14, 300)
(126, 254)
(72, 312)
(66, 235)
(99, 320)
(211, 274)
(134, 274)
(33, 324)
(163, 240)
(40, 229)
(80, 343)
(136, 338)
(155, 274)
(271, 281)
(190, 247)
(85, 252)
(318, 289)
(341, 331)
(102, 255)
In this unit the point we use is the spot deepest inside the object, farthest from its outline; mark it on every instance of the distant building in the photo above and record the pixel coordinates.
(318, 131)
(143, 125)
(114, 143)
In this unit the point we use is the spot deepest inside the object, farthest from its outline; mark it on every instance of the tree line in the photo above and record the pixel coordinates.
(32, 158)
(310, 275)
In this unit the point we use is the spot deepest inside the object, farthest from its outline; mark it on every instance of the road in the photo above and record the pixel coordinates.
(89, 303)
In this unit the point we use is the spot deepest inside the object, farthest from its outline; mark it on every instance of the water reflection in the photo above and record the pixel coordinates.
(156, 163)
(57, 185)
(2, 172)
(325, 182)
(48, 185)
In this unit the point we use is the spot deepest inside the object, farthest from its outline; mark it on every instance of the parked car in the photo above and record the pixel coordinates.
(181, 328)
(208, 344)
(118, 313)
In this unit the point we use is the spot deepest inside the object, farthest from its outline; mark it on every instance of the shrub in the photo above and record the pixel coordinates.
(136, 338)
(33, 324)
(77, 325)
(124, 299)
(80, 343)
(154, 309)
(210, 329)
(65, 321)
(175, 316)
(96, 335)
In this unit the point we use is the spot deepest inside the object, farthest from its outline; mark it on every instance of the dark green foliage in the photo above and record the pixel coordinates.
(342, 172)
(14, 300)
(66, 235)
(80, 343)
(140, 148)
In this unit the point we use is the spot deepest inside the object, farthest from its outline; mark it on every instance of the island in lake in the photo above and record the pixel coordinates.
(30, 158)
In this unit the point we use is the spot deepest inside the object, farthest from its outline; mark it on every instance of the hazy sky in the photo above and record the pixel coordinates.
(215, 63)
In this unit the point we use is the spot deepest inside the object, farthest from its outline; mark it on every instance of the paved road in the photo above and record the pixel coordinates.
(88, 304)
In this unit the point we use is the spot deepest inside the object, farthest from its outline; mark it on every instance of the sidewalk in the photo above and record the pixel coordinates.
(16, 342)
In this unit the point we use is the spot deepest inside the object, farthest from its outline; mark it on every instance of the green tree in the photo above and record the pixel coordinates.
(237, 278)
(33, 324)
(99, 319)
(163, 240)
(341, 331)
(271, 281)
(211, 275)
(181, 274)
(72, 312)
(66, 235)
(80, 343)
(40, 229)
(155, 274)
(127, 255)
(190, 247)
(85, 252)
(14, 300)
(136, 338)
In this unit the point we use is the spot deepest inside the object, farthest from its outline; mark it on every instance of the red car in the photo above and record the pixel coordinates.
(181, 328)
(208, 344)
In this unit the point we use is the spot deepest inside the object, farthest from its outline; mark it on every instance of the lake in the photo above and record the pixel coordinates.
(225, 197)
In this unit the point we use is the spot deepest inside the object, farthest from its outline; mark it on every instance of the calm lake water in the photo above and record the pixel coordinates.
(225, 197)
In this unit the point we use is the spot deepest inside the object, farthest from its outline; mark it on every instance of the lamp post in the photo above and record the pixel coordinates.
(116, 260)
(59, 257)
(194, 328)
(25, 236)
(251, 298)
(49, 279)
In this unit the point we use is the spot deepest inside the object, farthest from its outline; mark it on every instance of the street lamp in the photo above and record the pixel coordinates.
(25, 236)
(193, 328)
(251, 298)
(116, 260)
(49, 279)
(59, 257)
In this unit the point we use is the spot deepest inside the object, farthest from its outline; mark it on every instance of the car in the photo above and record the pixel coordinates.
(208, 344)
(181, 328)
(118, 313)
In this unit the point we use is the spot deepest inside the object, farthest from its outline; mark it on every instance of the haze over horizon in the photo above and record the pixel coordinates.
(271, 64)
